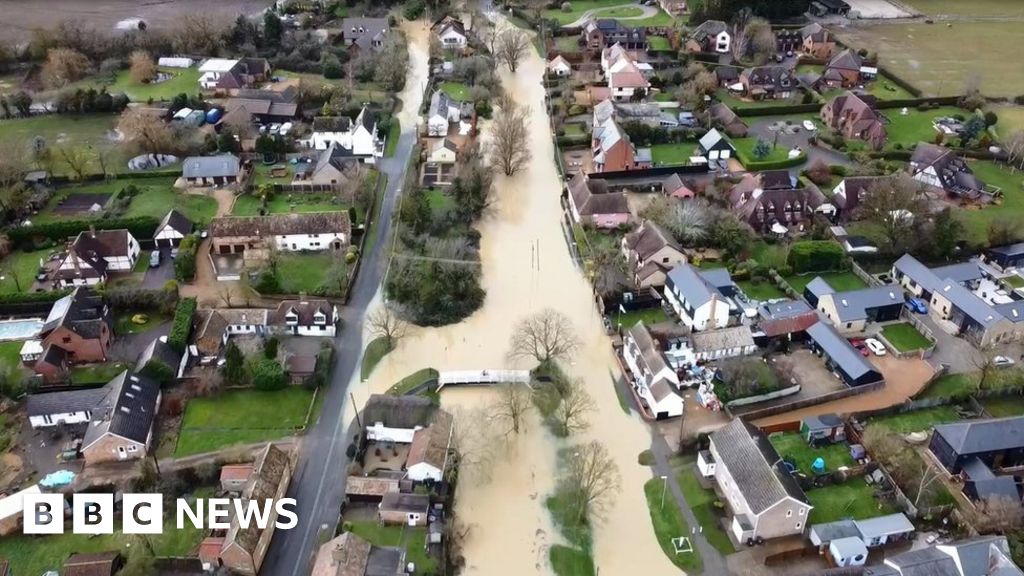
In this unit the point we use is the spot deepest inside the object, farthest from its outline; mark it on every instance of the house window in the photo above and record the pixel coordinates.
(849, 324)
(67, 340)
(133, 448)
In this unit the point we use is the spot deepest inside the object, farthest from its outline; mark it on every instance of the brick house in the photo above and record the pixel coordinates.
(77, 330)
(768, 82)
(650, 253)
(590, 202)
(847, 69)
(854, 116)
(817, 41)
(771, 198)
(404, 509)
(122, 425)
(606, 32)
(710, 36)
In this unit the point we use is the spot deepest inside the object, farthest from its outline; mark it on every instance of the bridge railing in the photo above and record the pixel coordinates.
(483, 377)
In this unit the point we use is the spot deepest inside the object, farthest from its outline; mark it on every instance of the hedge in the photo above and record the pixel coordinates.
(776, 110)
(176, 172)
(757, 166)
(33, 297)
(185, 263)
(182, 327)
(60, 230)
(815, 255)
(132, 298)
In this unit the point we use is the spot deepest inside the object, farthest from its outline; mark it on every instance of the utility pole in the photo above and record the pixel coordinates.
(352, 398)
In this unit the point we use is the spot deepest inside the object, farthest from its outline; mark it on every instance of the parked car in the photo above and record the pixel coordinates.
(808, 125)
(1002, 361)
(917, 305)
(875, 346)
(286, 128)
(154, 259)
(860, 346)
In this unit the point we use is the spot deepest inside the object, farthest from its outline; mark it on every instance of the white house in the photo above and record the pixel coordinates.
(69, 407)
(359, 139)
(442, 112)
(653, 379)
(559, 66)
(443, 152)
(428, 453)
(696, 296)
(95, 253)
(313, 231)
(451, 32)
(212, 70)
(172, 229)
(304, 318)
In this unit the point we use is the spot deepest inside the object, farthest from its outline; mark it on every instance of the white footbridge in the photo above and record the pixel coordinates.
(482, 377)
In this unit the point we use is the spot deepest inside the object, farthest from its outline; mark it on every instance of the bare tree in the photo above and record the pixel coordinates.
(544, 336)
(512, 46)
(985, 362)
(63, 66)
(225, 293)
(753, 39)
(147, 131)
(102, 158)
(141, 66)
(76, 159)
(894, 205)
(1015, 150)
(998, 514)
(199, 34)
(13, 165)
(576, 406)
(509, 411)
(386, 323)
(593, 477)
(607, 269)
(510, 135)
(475, 443)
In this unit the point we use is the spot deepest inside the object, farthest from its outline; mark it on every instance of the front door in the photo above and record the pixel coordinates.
(122, 453)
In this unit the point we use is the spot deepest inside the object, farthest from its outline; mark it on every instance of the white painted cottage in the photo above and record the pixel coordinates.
(95, 253)
(172, 229)
(654, 381)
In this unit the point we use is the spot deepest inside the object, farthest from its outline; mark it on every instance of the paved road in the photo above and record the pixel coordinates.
(318, 481)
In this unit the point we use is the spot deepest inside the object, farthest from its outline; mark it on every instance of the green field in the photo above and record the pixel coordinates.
(884, 88)
(840, 281)
(922, 55)
(855, 499)
(1004, 407)
(701, 501)
(10, 353)
(608, 9)
(672, 154)
(412, 539)
(263, 174)
(241, 417)
(1011, 119)
(155, 197)
(182, 81)
(972, 8)
(18, 270)
(456, 90)
(375, 350)
(669, 523)
(950, 385)
(1011, 205)
(745, 150)
(916, 126)
(761, 289)
(917, 420)
(905, 337)
(648, 315)
(62, 130)
(305, 272)
(658, 44)
(792, 446)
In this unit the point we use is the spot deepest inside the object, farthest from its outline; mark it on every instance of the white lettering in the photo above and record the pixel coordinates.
(43, 513)
(245, 510)
(283, 512)
(218, 508)
(142, 513)
(195, 516)
(93, 513)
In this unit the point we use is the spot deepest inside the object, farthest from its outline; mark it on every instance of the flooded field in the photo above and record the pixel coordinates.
(527, 267)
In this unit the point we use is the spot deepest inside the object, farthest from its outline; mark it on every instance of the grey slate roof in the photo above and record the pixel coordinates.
(1012, 311)
(210, 166)
(722, 339)
(854, 304)
(987, 484)
(976, 555)
(784, 309)
(979, 436)
(819, 287)
(887, 525)
(969, 303)
(395, 501)
(65, 402)
(717, 277)
(755, 466)
(840, 351)
(129, 409)
(177, 221)
(364, 31)
(926, 562)
(822, 422)
(159, 350)
(647, 349)
(1009, 250)
(83, 312)
(931, 279)
(688, 281)
(830, 531)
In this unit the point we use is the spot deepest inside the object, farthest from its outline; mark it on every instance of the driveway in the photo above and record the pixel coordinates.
(788, 138)
(648, 11)
(960, 355)
(157, 277)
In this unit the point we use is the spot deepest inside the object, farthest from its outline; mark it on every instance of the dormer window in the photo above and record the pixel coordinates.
(319, 318)
(291, 317)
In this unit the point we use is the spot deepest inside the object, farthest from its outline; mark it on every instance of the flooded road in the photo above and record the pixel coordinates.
(526, 267)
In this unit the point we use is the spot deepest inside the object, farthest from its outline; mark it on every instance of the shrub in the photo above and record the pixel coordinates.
(61, 230)
(185, 263)
(267, 374)
(566, 7)
(159, 371)
(181, 329)
(414, 9)
(270, 348)
(141, 298)
(819, 172)
(815, 255)
(331, 67)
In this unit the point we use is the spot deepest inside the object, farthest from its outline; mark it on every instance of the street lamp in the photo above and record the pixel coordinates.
(664, 486)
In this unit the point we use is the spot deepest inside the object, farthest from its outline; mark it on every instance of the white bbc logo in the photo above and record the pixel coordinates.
(93, 514)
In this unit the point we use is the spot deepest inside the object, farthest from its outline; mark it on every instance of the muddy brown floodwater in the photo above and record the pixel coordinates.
(526, 267)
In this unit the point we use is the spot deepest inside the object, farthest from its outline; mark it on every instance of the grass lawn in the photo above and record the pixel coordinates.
(702, 501)
(249, 205)
(123, 320)
(1004, 407)
(565, 44)
(19, 269)
(884, 88)
(10, 353)
(394, 133)
(916, 126)
(38, 554)
(840, 281)
(793, 447)
(412, 381)
(456, 90)
(664, 97)
(668, 524)
(917, 420)
(65, 130)
(745, 149)
(855, 499)
(392, 536)
(1011, 119)
(905, 337)
(574, 559)
(658, 44)
(726, 97)
(974, 8)
(439, 200)
(950, 385)
(375, 350)
(1014, 281)
(262, 174)
(661, 19)
(304, 272)
(671, 154)
(1011, 205)
(575, 129)
(581, 6)
(772, 255)
(760, 289)
(183, 80)
(96, 373)
(648, 315)
(154, 198)
(240, 417)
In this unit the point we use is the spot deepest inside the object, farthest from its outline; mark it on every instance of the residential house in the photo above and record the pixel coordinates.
(243, 549)
(722, 343)
(768, 82)
(304, 318)
(443, 111)
(673, 7)
(252, 235)
(50, 363)
(606, 32)
(827, 428)
(841, 357)
(770, 201)
(428, 433)
(710, 36)
(591, 203)
(852, 310)
(215, 326)
(95, 253)
(701, 298)
(978, 556)
(66, 408)
(846, 70)
(617, 58)
(443, 151)
(628, 84)
(359, 139)
(77, 329)
(675, 187)
(365, 35)
(428, 453)
(332, 169)
(728, 76)
(172, 229)
(723, 117)
(122, 422)
(12, 509)
(211, 170)
(654, 381)
(350, 555)
(817, 41)
(942, 169)
(99, 564)
(997, 442)
(764, 500)
(234, 477)
(851, 191)
(986, 488)
(785, 318)
(855, 118)
(261, 106)
(1006, 257)
(715, 147)
(787, 40)
(451, 32)
(969, 315)
(650, 253)
(611, 147)
(872, 532)
(230, 75)
(922, 281)
(559, 66)
(647, 113)
(400, 509)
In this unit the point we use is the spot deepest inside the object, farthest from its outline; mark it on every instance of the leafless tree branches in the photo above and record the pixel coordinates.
(575, 408)
(593, 477)
(510, 134)
(545, 336)
(511, 47)
(509, 411)
(386, 323)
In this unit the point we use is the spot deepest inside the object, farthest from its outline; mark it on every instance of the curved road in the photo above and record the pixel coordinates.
(318, 480)
(648, 11)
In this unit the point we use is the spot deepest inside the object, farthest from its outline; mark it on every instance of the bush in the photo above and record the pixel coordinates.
(414, 9)
(185, 263)
(566, 7)
(181, 329)
(141, 298)
(159, 371)
(270, 348)
(267, 374)
(33, 297)
(331, 67)
(61, 230)
(815, 256)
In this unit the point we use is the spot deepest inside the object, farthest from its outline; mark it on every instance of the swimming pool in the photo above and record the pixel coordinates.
(20, 329)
